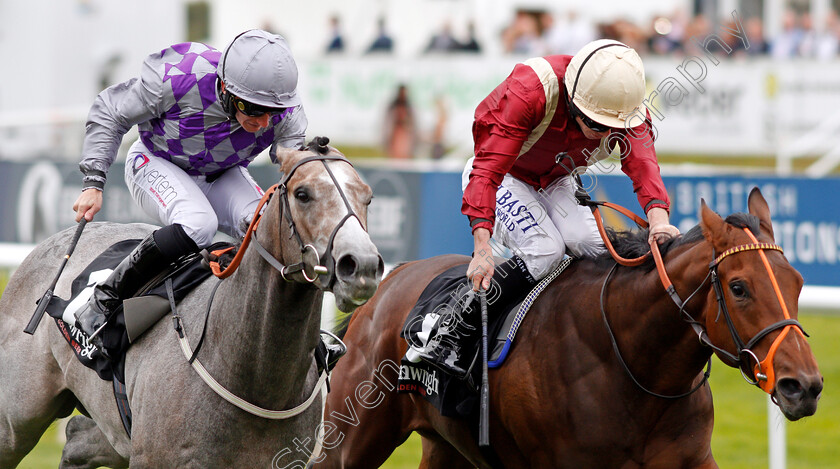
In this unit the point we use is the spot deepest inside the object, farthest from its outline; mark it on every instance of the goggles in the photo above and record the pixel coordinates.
(251, 109)
(594, 126)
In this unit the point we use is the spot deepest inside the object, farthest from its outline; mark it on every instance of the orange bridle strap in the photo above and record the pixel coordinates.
(600, 223)
(763, 370)
(654, 246)
(766, 365)
(252, 227)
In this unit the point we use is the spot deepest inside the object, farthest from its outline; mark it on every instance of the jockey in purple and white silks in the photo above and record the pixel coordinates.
(203, 116)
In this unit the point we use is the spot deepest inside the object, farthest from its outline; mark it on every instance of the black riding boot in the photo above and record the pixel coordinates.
(154, 253)
(459, 326)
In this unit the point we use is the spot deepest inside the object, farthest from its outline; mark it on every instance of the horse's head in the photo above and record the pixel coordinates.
(324, 205)
(753, 309)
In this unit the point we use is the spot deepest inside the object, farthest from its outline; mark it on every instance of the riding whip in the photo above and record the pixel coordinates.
(484, 417)
(45, 300)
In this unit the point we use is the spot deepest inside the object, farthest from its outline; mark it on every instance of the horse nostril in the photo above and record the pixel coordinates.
(380, 268)
(790, 389)
(346, 266)
(816, 389)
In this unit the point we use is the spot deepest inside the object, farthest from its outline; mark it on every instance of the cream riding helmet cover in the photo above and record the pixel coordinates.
(606, 81)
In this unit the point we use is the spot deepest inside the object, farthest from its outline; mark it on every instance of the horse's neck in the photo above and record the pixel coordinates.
(647, 321)
(263, 330)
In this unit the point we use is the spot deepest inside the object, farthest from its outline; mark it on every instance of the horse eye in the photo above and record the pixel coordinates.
(302, 195)
(738, 289)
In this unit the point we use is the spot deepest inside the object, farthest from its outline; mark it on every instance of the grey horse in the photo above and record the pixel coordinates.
(259, 343)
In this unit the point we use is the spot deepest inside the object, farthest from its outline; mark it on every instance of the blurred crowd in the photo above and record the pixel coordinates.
(441, 41)
(536, 32)
(542, 33)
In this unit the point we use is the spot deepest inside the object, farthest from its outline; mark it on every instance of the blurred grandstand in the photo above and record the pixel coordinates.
(766, 98)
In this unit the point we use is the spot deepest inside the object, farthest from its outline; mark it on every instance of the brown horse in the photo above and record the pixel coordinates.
(563, 398)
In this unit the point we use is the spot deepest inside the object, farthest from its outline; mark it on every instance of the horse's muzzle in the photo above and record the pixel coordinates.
(358, 276)
(798, 397)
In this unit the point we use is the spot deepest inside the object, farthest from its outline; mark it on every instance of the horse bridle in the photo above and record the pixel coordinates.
(763, 374)
(319, 268)
(321, 387)
(328, 265)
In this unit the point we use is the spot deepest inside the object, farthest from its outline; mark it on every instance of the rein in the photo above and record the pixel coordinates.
(318, 270)
(763, 373)
(219, 389)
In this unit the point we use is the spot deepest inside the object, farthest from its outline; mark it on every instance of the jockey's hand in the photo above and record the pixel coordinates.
(482, 264)
(661, 228)
(88, 204)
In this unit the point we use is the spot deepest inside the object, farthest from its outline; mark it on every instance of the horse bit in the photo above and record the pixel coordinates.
(318, 268)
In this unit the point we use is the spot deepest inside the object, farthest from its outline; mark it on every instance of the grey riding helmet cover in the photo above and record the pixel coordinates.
(258, 67)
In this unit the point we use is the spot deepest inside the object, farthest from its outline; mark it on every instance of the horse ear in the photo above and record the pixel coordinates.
(711, 223)
(758, 207)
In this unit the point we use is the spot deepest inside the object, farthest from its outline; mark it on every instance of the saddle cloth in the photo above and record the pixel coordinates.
(451, 396)
(186, 274)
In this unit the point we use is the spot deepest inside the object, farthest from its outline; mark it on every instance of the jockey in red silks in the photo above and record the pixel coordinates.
(519, 191)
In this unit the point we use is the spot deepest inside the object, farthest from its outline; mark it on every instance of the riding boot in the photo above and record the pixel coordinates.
(330, 349)
(154, 253)
(458, 327)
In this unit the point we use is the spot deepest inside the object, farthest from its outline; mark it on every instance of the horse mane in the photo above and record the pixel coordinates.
(630, 244)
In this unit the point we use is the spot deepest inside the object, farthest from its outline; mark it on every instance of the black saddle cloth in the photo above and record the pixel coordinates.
(186, 274)
(453, 397)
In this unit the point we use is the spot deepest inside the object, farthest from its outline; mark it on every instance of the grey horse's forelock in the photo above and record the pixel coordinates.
(318, 145)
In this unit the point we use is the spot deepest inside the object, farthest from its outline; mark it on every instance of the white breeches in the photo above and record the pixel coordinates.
(540, 226)
(170, 195)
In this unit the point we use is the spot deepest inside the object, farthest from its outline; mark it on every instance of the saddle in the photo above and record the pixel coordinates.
(457, 396)
(130, 320)
(144, 309)
(134, 317)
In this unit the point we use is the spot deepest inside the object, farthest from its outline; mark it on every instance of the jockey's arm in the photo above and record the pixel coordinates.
(115, 110)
